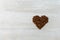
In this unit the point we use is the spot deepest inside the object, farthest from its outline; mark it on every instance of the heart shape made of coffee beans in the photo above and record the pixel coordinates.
(40, 21)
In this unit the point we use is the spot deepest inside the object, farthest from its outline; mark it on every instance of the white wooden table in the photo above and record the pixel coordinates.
(17, 24)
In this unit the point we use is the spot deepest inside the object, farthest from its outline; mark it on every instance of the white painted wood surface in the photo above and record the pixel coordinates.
(17, 24)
